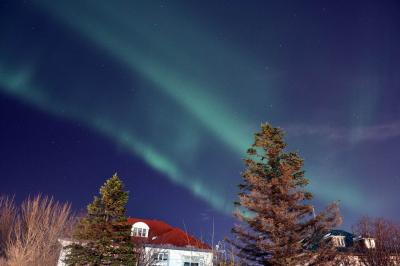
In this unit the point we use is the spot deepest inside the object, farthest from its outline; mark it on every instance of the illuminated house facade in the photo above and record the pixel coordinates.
(161, 244)
(165, 245)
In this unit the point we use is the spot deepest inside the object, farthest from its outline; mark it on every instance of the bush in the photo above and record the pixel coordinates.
(33, 229)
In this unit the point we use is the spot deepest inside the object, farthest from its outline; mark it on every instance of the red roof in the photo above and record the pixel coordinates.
(161, 233)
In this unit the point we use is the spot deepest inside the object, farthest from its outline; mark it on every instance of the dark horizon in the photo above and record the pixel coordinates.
(168, 94)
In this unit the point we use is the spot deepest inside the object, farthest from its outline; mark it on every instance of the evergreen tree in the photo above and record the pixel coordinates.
(277, 225)
(103, 236)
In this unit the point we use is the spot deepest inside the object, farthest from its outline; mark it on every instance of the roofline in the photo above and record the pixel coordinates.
(69, 241)
(177, 248)
(172, 228)
(152, 220)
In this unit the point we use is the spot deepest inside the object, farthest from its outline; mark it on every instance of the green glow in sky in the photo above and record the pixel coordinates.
(18, 83)
(171, 65)
(202, 93)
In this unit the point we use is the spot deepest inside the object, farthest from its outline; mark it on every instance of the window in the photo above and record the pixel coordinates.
(160, 256)
(369, 243)
(140, 229)
(193, 261)
(372, 243)
(339, 241)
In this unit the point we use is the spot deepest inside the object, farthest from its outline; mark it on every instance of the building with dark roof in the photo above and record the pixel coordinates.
(348, 242)
(351, 249)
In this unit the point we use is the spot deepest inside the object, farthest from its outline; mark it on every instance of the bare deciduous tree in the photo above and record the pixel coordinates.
(387, 241)
(33, 240)
(225, 255)
(8, 214)
(150, 256)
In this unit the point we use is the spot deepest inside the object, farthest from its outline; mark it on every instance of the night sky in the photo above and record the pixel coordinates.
(169, 93)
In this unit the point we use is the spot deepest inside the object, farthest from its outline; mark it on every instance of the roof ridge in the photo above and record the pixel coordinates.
(170, 233)
(153, 220)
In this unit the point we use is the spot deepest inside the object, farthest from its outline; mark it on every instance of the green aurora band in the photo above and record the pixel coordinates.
(151, 55)
(184, 65)
(19, 84)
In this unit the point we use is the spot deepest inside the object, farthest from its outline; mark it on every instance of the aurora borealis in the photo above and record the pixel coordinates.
(180, 87)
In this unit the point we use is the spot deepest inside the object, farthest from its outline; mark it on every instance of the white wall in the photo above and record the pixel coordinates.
(177, 257)
(63, 252)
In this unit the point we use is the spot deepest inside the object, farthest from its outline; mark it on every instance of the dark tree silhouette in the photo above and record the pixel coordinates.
(103, 237)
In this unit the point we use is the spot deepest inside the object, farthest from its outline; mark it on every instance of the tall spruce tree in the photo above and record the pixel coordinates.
(103, 236)
(278, 226)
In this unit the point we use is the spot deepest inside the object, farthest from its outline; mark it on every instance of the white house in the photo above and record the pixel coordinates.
(169, 246)
(163, 245)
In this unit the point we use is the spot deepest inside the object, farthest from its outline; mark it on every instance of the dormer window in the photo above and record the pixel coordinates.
(142, 232)
(338, 241)
(140, 229)
(369, 243)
